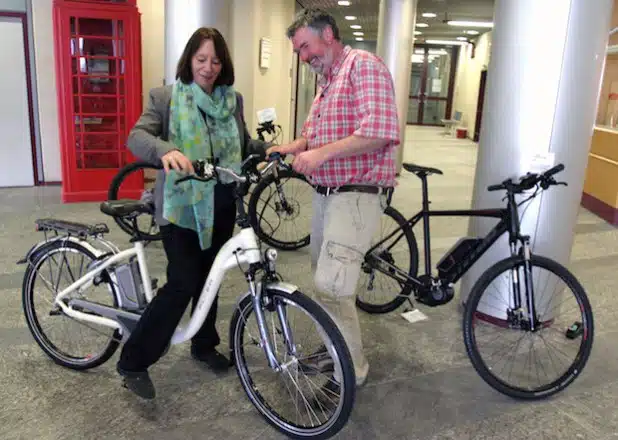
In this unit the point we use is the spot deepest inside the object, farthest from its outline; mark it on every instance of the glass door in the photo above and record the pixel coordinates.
(431, 84)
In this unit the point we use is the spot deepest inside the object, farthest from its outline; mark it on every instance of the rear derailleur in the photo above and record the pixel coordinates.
(433, 292)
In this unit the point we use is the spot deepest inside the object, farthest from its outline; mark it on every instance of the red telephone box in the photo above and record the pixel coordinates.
(98, 71)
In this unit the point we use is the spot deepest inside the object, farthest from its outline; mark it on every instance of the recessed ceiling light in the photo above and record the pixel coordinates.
(422, 25)
(417, 33)
(429, 15)
(445, 42)
(350, 17)
(359, 33)
(359, 38)
(472, 32)
(355, 26)
(484, 24)
(343, 3)
(462, 38)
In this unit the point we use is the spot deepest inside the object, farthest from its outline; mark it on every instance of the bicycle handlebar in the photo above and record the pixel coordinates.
(205, 170)
(529, 181)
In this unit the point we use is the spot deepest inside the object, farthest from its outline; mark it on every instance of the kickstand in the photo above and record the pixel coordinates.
(411, 305)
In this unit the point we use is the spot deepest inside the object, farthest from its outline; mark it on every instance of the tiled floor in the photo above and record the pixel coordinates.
(421, 383)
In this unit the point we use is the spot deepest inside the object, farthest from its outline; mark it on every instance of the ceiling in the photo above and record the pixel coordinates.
(367, 12)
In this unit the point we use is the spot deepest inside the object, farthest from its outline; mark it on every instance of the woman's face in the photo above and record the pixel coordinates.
(205, 66)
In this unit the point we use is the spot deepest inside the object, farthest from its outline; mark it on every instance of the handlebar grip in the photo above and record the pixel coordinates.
(495, 187)
(554, 170)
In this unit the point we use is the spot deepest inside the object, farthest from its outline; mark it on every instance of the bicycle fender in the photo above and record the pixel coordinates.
(37, 248)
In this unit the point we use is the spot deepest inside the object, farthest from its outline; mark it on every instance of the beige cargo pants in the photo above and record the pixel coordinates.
(342, 228)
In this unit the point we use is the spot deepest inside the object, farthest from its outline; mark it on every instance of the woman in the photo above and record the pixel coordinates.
(199, 116)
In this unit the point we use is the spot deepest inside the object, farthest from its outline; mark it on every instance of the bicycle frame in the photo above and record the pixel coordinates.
(509, 222)
(240, 249)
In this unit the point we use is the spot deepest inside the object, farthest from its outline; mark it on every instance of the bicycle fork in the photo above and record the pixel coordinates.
(257, 298)
(529, 289)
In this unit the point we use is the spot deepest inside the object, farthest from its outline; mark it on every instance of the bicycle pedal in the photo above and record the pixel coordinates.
(575, 330)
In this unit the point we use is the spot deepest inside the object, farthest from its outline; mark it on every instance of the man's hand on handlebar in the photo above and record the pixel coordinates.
(177, 161)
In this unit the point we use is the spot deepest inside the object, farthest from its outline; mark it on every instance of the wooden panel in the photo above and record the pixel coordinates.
(602, 171)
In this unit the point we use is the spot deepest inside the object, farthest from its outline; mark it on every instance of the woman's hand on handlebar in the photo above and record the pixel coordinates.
(177, 161)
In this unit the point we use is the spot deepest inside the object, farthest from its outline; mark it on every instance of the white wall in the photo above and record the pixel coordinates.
(13, 5)
(43, 36)
(468, 78)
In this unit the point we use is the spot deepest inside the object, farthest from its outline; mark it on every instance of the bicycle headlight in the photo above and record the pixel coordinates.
(271, 255)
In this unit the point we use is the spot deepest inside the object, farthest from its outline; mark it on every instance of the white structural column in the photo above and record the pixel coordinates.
(182, 18)
(396, 23)
(543, 84)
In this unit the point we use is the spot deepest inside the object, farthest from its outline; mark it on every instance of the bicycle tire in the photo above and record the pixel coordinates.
(260, 187)
(237, 324)
(470, 341)
(114, 189)
(413, 252)
(33, 323)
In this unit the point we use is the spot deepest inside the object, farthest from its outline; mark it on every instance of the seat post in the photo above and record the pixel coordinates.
(426, 238)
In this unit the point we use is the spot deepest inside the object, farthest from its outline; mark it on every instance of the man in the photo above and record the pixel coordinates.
(347, 149)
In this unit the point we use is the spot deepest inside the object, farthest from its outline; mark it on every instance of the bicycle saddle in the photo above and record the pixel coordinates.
(123, 208)
(419, 169)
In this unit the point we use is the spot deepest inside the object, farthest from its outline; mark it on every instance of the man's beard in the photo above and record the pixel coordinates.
(323, 64)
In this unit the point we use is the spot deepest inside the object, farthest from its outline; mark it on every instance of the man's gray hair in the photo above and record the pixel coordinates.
(314, 18)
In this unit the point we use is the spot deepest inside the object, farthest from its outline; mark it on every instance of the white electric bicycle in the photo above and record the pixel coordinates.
(108, 289)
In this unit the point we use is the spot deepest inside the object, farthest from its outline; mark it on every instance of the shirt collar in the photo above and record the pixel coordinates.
(334, 69)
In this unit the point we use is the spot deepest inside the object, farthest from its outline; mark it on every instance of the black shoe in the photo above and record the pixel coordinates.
(215, 360)
(138, 382)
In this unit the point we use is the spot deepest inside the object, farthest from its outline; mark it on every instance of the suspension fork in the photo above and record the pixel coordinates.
(256, 296)
(528, 283)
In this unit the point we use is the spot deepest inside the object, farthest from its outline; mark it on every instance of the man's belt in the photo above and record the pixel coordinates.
(370, 189)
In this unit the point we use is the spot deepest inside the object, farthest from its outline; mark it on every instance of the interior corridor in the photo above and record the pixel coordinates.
(421, 384)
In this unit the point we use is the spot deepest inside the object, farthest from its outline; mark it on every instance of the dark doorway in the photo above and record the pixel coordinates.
(479, 106)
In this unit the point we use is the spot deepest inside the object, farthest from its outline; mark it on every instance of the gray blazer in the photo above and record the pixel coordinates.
(149, 138)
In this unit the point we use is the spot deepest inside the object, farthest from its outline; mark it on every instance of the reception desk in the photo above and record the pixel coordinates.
(600, 194)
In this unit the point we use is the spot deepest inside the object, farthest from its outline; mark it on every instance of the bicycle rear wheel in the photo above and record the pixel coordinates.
(298, 400)
(55, 267)
(560, 321)
(379, 289)
(275, 210)
(150, 230)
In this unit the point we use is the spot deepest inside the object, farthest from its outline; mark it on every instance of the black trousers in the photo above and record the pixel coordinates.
(187, 268)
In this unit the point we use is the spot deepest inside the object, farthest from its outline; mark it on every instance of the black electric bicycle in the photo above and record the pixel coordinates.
(524, 314)
(274, 204)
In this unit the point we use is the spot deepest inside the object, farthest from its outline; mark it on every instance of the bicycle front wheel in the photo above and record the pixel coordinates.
(312, 394)
(528, 327)
(148, 228)
(275, 210)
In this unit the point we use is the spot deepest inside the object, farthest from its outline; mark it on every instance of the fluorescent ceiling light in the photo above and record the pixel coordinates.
(472, 32)
(359, 38)
(429, 15)
(358, 33)
(462, 38)
(484, 24)
(422, 25)
(355, 26)
(343, 3)
(445, 42)
(350, 17)
(417, 32)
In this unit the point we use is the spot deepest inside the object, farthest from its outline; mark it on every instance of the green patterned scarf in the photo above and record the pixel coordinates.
(190, 204)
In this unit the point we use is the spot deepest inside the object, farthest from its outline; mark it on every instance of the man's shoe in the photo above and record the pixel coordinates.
(138, 382)
(215, 360)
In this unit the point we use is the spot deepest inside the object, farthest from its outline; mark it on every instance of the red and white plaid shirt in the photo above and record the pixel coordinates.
(356, 97)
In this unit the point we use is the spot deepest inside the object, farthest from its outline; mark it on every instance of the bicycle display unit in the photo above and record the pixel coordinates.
(273, 205)
(126, 285)
(525, 310)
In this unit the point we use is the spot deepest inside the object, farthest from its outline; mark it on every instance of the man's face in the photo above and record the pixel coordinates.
(314, 49)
